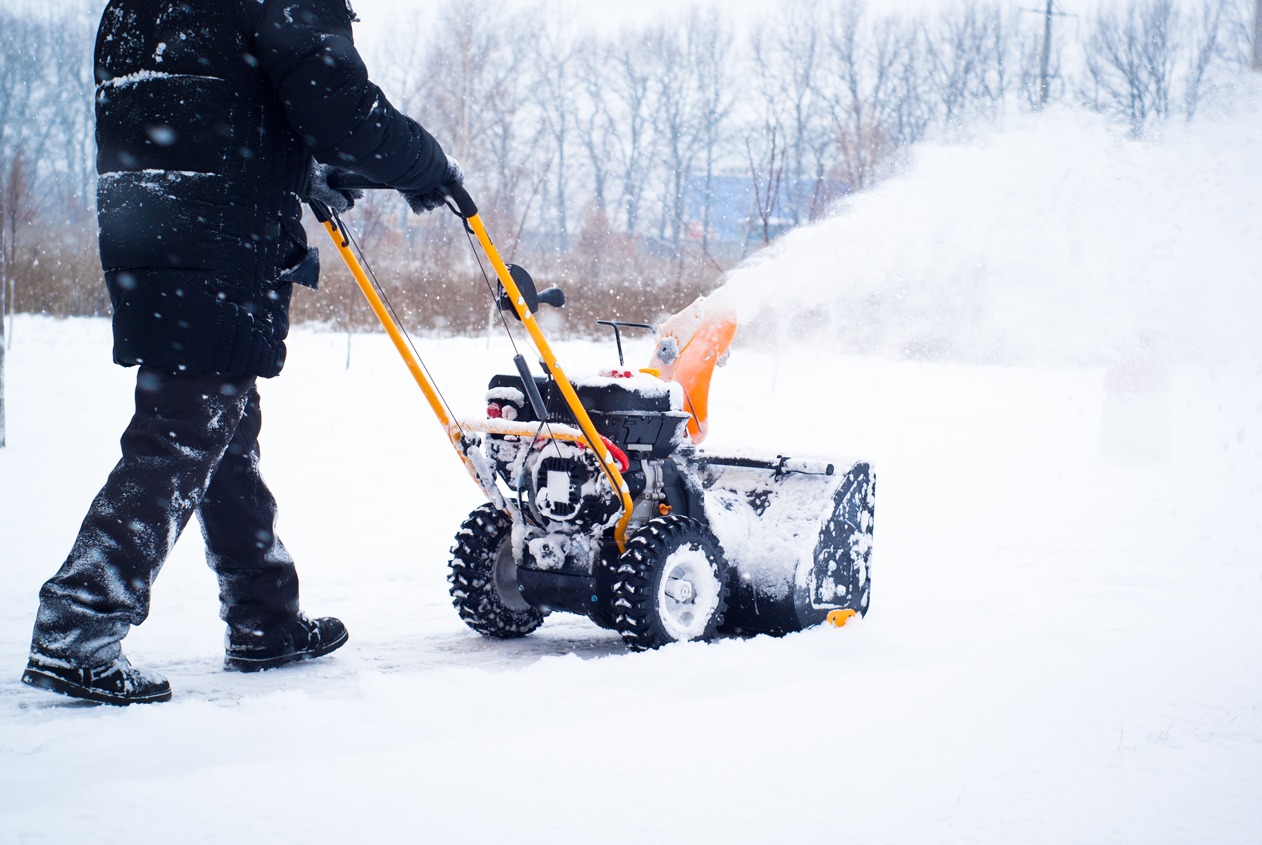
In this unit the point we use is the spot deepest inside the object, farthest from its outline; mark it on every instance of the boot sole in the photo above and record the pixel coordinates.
(52, 683)
(233, 663)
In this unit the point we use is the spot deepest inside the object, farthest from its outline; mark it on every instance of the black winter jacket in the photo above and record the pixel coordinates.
(208, 115)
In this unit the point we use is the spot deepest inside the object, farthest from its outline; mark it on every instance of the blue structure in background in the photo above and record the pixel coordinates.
(734, 217)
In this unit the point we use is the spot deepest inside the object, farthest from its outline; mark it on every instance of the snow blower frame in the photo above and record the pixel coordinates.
(600, 503)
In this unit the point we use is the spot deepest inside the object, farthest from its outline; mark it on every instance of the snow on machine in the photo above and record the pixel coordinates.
(601, 503)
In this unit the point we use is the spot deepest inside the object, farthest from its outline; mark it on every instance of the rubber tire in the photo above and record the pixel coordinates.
(482, 542)
(637, 576)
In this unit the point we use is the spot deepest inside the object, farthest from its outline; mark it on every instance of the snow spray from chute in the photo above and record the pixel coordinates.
(1048, 239)
(601, 504)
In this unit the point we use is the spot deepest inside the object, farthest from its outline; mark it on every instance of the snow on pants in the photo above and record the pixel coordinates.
(192, 446)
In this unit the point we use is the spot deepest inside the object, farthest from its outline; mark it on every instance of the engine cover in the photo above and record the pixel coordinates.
(568, 490)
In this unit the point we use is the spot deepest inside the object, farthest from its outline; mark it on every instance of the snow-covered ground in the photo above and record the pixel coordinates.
(1065, 642)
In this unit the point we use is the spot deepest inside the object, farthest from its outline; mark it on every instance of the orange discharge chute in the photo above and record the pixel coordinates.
(689, 346)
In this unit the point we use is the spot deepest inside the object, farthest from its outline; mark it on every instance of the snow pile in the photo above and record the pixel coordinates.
(1057, 649)
(1053, 239)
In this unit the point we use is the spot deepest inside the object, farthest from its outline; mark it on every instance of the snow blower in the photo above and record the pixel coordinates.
(601, 503)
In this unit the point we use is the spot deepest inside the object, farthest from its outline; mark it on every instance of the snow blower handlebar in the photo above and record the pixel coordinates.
(462, 204)
(464, 207)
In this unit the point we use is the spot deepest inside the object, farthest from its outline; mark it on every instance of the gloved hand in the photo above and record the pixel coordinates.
(318, 189)
(423, 202)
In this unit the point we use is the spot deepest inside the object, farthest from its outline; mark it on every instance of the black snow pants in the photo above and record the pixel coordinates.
(191, 447)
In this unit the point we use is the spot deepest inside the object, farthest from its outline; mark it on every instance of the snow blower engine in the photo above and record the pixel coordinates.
(601, 503)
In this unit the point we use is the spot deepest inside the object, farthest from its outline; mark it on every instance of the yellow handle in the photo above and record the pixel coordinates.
(452, 430)
(563, 382)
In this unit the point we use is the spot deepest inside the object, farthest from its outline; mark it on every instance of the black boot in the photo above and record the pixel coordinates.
(114, 683)
(250, 651)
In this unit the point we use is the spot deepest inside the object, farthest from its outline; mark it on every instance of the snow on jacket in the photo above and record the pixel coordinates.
(208, 115)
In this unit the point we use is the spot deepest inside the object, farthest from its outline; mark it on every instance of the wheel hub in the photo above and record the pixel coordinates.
(680, 589)
(689, 593)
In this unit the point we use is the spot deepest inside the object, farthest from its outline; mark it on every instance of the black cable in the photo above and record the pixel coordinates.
(508, 330)
(486, 278)
(349, 237)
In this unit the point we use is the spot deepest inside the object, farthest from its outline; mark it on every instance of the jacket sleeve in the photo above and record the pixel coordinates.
(306, 49)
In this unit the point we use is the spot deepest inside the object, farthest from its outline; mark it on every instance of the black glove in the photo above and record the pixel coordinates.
(423, 202)
(318, 188)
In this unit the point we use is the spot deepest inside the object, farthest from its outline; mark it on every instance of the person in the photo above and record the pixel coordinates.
(212, 120)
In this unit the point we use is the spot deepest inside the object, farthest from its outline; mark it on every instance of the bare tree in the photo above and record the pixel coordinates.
(915, 110)
(15, 214)
(709, 45)
(475, 91)
(1131, 61)
(767, 172)
(968, 52)
(630, 95)
(72, 87)
(596, 130)
(674, 127)
(1204, 31)
(865, 59)
(24, 130)
(1239, 41)
(1137, 59)
(692, 102)
(787, 52)
(554, 95)
(1256, 63)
